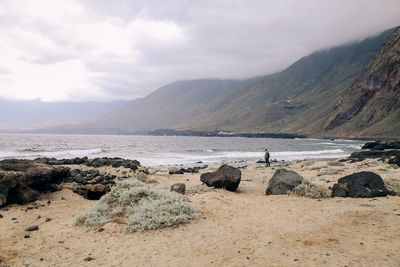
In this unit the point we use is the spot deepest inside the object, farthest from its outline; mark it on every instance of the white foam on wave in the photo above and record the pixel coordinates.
(180, 158)
(51, 154)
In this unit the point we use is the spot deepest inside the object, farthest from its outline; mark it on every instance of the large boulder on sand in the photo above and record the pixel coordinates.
(226, 177)
(283, 182)
(360, 184)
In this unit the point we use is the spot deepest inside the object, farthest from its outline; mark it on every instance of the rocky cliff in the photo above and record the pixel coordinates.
(371, 106)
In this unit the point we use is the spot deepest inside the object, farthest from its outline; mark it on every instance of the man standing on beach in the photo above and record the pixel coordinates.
(266, 157)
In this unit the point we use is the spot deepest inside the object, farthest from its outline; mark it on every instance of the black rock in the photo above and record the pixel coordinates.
(20, 180)
(395, 160)
(23, 195)
(32, 228)
(68, 161)
(78, 178)
(374, 154)
(74, 172)
(382, 145)
(339, 191)
(360, 184)
(283, 182)
(226, 177)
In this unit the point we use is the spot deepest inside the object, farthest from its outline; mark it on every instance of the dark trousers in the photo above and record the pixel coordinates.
(267, 163)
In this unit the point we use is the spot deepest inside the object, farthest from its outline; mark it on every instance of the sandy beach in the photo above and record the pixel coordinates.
(243, 228)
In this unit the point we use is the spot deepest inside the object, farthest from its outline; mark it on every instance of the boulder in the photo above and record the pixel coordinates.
(226, 177)
(283, 182)
(23, 195)
(179, 188)
(395, 160)
(360, 184)
(8, 180)
(174, 170)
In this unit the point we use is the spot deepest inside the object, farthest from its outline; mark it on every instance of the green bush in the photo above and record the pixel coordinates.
(310, 190)
(139, 207)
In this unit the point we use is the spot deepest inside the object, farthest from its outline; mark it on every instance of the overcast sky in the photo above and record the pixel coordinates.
(105, 50)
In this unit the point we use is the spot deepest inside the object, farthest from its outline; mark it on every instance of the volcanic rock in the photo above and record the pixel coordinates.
(283, 182)
(226, 177)
(360, 184)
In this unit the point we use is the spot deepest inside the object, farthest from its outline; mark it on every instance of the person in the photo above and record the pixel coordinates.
(266, 157)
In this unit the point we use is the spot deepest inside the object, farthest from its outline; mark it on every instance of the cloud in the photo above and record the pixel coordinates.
(123, 49)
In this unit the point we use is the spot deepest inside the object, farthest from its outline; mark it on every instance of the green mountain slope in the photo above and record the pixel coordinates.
(307, 97)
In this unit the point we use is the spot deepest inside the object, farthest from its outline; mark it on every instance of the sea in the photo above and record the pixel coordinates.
(172, 150)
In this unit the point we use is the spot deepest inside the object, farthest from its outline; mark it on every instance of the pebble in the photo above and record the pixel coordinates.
(88, 259)
(32, 228)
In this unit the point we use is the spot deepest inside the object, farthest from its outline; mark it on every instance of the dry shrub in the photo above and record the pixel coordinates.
(139, 207)
(393, 186)
(310, 190)
(199, 189)
(336, 163)
(329, 172)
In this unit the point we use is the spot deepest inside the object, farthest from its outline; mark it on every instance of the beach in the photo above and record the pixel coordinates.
(242, 228)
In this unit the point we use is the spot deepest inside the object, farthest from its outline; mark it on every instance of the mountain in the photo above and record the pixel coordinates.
(348, 91)
(35, 114)
(371, 106)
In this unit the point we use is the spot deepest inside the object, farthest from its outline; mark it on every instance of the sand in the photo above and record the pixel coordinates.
(245, 228)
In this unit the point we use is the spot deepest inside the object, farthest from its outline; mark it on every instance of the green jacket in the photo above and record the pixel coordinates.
(266, 156)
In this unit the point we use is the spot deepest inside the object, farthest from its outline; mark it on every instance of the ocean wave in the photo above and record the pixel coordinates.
(183, 158)
(315, 152)
(328, 144)
(51, 154)
(202, 150)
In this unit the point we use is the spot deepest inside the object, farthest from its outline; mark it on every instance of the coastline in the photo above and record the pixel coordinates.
(234, 229)
(172, 132)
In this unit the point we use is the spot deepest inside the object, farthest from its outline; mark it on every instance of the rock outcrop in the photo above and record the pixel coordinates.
(381, 145)
(96, 162)
(374, 154)
(91, 184)
(21, 181)
(283, 182)
(359, 185)
(226, 177)
(175, 170)
(371, 106)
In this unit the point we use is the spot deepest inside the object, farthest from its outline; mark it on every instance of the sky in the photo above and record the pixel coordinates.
(101, 50)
